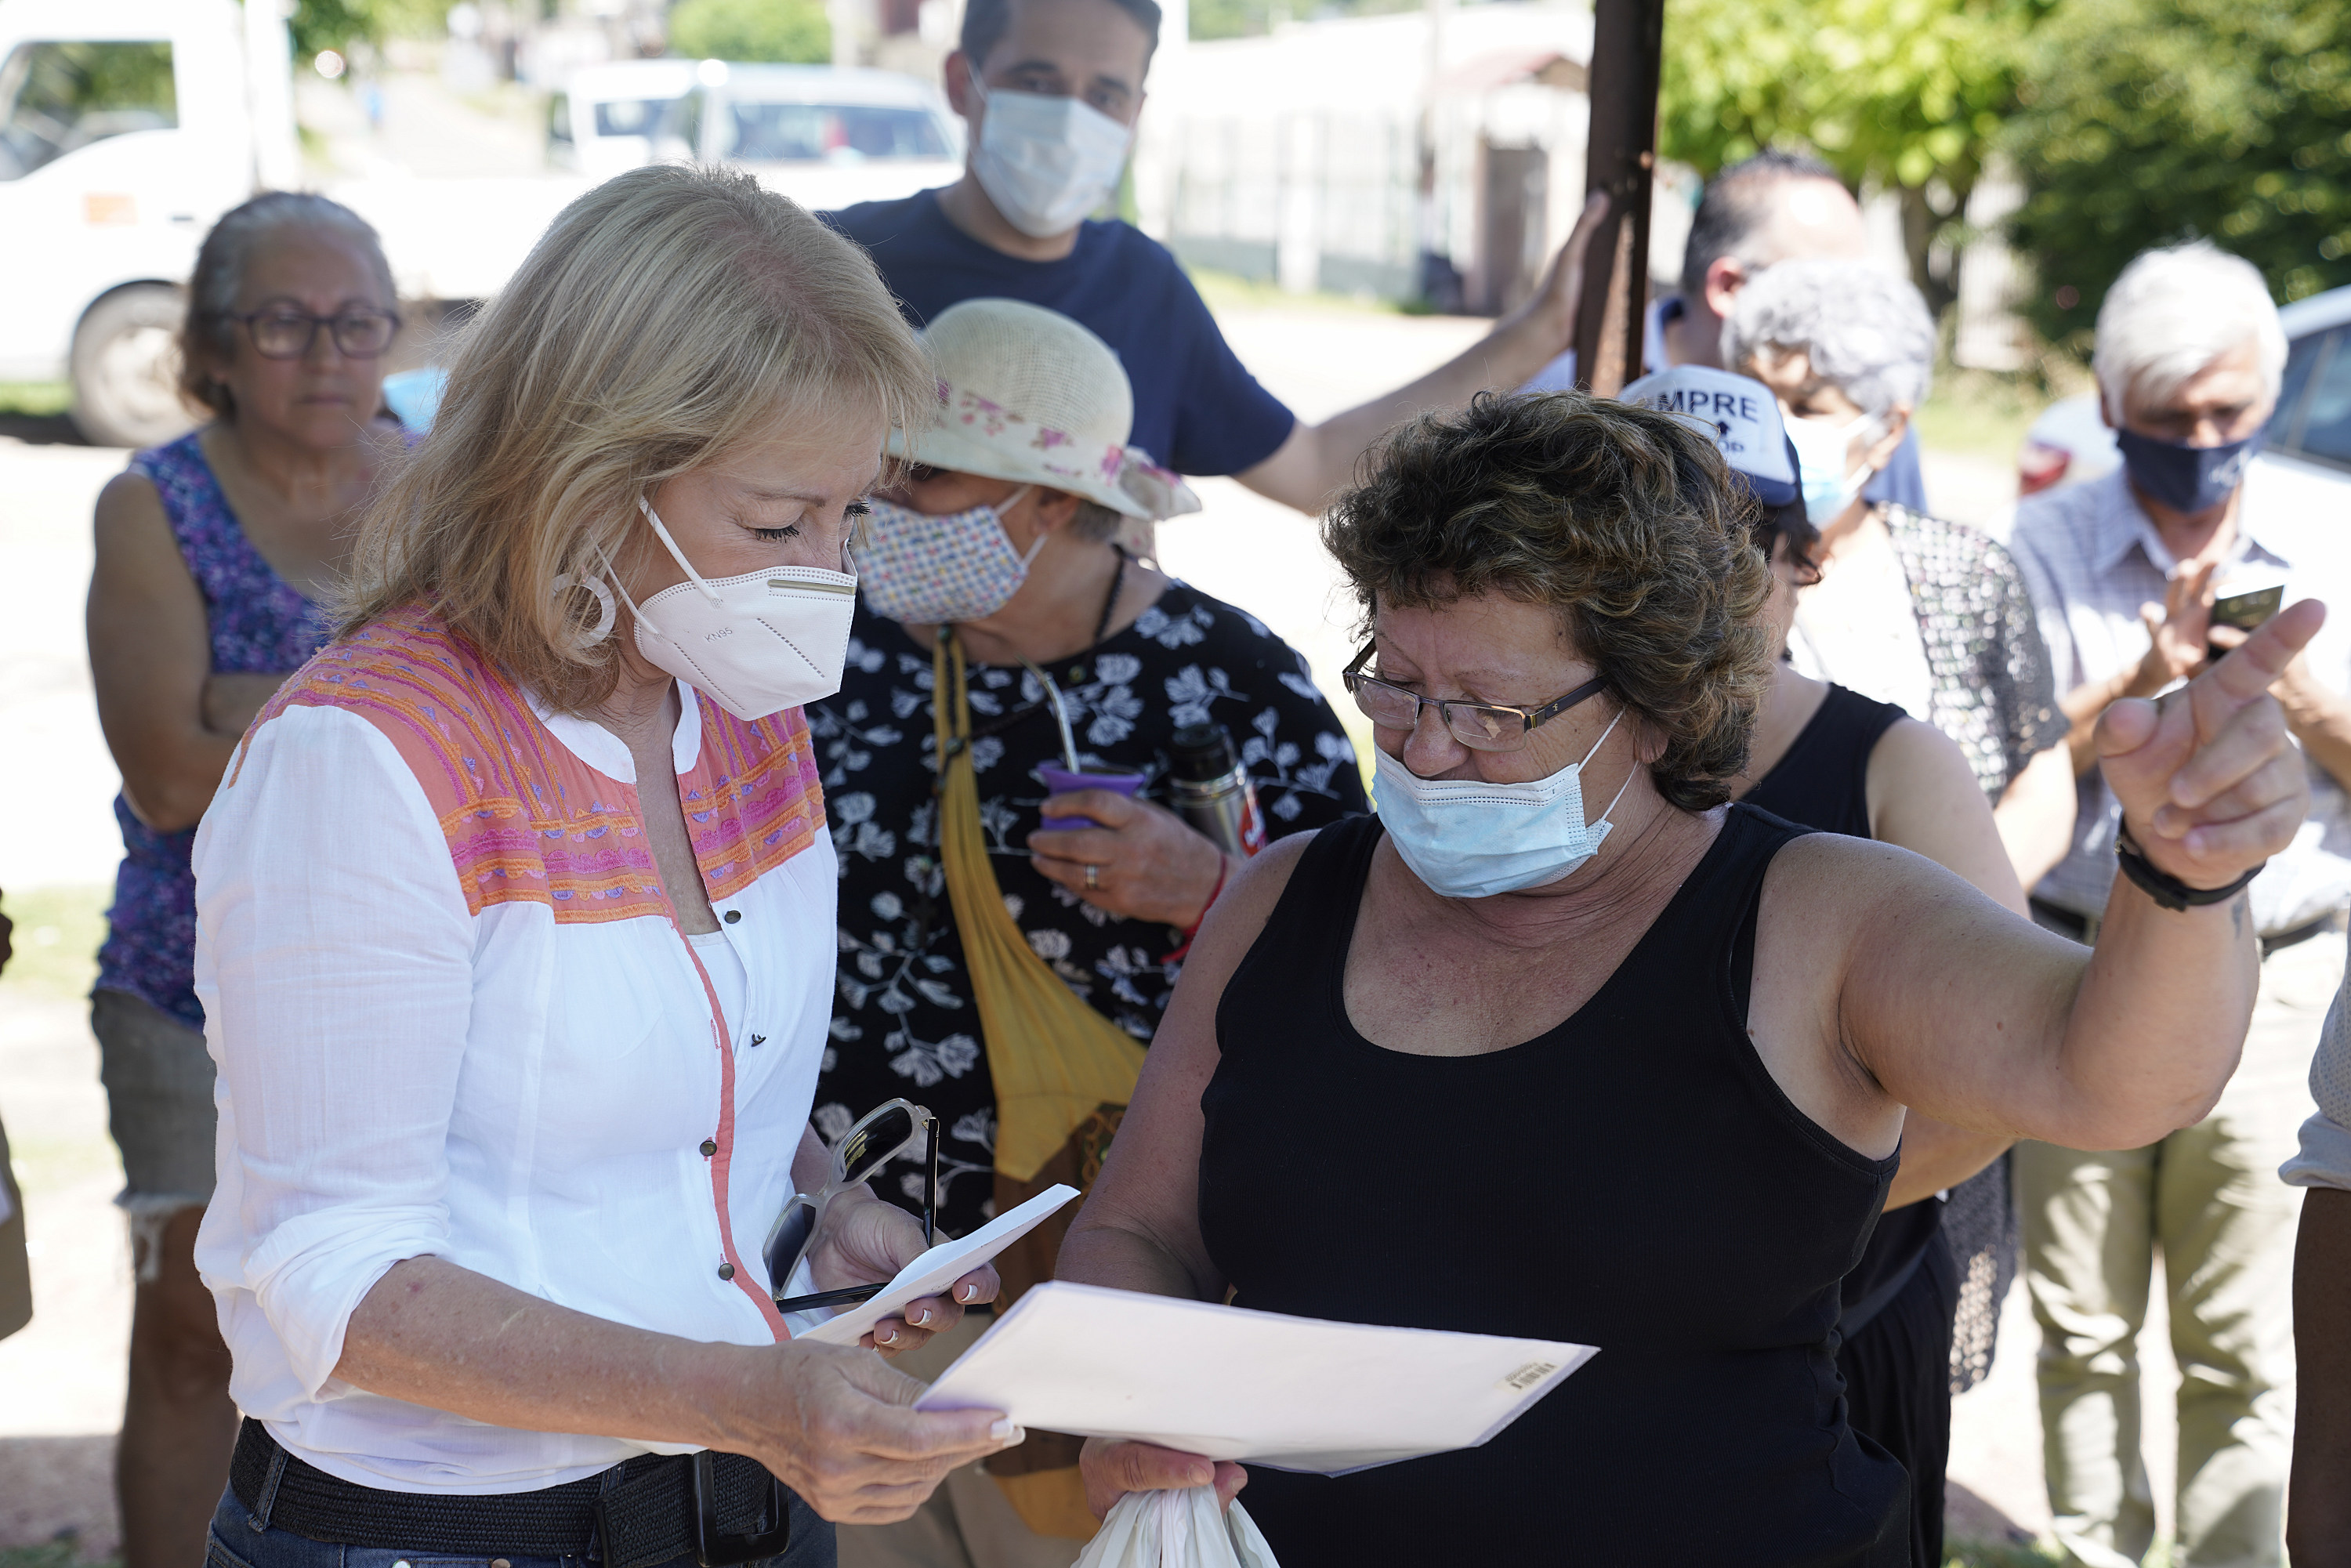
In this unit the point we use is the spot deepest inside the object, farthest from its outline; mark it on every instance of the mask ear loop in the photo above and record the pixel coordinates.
(637, 609)
(1006, 505)
(1588, 755)
(676, 554)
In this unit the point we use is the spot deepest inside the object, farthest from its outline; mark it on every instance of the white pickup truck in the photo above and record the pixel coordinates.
(126, 128)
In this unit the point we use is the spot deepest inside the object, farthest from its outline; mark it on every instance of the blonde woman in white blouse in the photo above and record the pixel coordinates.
(516, 1055)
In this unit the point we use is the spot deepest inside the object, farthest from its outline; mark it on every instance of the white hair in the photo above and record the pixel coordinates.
(1867, 334)
(2173, 312)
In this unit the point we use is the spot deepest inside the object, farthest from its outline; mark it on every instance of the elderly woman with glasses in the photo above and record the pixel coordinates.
(213, 552)
(1619, 1063)
(1918, 611)
(514, 943)
(1925, 613)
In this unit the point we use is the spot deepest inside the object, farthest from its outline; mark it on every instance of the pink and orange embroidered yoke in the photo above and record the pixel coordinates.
(454, 1015)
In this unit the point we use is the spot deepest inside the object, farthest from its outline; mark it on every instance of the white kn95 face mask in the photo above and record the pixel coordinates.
(755, 644)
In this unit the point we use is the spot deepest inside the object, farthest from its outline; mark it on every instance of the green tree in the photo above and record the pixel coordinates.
(1908, 94)
(339, 24)
(2148, 122)
(790, 30)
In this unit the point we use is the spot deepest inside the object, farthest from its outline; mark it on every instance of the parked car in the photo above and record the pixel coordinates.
(2069, 443)
(825, 136)
(606, 117)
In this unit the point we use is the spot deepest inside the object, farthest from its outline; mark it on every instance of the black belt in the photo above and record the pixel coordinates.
(721, 1509)
(2068, 922)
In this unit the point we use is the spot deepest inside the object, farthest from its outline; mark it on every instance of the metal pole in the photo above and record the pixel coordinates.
(1620, 158)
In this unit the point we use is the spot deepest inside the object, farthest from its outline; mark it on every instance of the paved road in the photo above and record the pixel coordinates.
(63, 1374)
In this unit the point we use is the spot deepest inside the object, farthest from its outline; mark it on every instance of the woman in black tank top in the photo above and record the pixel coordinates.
(1619, 1063)
(1822, 756)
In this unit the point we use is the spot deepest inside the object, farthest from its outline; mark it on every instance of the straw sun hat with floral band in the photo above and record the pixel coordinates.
(1027, 395)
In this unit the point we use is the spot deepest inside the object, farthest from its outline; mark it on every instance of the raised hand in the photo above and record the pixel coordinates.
(2210, 781)
(2177, 631)
(1561, 292)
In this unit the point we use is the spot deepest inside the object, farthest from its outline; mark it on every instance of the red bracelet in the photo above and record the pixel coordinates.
(1224, 869)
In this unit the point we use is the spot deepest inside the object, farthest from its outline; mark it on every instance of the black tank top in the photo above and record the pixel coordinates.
(1824, 782)
(1632, 1180)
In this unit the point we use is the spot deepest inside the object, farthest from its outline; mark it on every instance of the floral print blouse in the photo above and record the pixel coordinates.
(904, 1019)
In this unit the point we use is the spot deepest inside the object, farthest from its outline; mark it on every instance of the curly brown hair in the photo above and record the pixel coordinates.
(1623, 518)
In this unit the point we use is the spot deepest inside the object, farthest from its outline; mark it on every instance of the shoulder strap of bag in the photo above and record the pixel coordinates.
(1056, 1062)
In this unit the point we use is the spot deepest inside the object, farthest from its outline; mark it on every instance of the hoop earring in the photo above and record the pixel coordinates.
(606, 611)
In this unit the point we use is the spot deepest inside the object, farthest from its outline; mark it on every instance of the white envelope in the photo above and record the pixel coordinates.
(942, 1266)
(1297, 1394)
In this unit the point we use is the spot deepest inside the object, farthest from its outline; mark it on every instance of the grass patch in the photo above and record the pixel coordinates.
(35, 399)
(1231, 291)
(1986, 412)
(1980, 412)
(57, 936)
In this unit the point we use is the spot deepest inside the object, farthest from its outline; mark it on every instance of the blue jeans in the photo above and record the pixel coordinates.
(237, 1541)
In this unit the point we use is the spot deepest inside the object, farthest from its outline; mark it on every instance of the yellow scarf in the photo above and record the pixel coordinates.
(1055, 1061)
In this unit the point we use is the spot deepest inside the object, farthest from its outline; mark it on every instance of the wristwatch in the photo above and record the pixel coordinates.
(2167, 891)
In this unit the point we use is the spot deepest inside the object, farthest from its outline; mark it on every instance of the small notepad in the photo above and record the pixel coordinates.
(942, 1266)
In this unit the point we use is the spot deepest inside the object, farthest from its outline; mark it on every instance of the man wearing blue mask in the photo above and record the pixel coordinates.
(2133, 577)
(1051, 90)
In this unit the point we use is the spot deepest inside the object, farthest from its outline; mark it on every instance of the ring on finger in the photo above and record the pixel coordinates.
(1094, 878)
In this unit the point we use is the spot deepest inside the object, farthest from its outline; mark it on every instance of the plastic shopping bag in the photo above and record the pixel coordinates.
(1176, 1530)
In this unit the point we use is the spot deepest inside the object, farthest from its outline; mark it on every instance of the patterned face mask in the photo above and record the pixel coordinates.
(930, 571)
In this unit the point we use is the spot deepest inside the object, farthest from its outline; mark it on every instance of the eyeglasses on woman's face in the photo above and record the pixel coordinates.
(283, 333)
(1481, 727)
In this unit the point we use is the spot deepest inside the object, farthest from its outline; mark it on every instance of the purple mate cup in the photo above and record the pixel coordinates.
(1061, 781)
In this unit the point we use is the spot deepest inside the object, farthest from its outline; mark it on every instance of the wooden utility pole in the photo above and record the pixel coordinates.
(1620, 158)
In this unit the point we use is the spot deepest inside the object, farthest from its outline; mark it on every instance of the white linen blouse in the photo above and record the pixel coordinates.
(453, 1018)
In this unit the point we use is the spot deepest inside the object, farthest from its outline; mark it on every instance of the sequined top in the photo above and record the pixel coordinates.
(1993, 690)
(258, 623)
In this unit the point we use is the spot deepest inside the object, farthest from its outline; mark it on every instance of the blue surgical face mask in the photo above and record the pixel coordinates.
(1468, 838)
(1820, 454)
(2186, 478)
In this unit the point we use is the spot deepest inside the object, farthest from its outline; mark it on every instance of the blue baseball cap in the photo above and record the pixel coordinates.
(1740, 414)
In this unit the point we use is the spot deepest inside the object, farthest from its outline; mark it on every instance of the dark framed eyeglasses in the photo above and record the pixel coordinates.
(280, 333)
(1481, 727)
(876, 1138)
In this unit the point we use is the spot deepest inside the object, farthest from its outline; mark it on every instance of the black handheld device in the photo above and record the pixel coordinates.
(2244, 611)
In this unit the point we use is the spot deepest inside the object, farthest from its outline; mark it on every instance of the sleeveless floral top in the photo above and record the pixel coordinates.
(259, 623)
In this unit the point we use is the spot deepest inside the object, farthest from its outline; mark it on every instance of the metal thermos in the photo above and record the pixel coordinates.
(1211, 789)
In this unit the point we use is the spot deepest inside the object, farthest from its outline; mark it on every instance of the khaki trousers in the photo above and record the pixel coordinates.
(2209, 1198)
(969, 1523)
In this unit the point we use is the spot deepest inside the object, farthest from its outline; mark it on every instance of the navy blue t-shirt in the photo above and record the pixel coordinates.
(1197, 409)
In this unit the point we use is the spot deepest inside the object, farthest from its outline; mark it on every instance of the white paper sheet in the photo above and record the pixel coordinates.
(935, 1271)
(1297, 1394)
